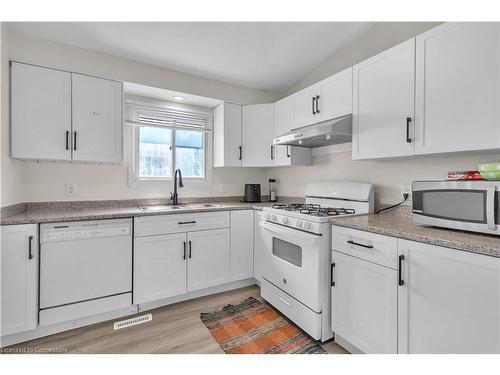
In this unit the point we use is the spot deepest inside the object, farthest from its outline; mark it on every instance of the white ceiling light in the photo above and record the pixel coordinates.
(178, 98)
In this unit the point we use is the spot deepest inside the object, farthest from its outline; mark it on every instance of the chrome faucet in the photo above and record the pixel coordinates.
(175, 197)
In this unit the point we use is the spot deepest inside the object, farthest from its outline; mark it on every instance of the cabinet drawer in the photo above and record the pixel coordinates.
(307, 319)
(177, 223)
(373, 247)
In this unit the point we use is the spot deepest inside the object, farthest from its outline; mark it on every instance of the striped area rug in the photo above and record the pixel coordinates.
(253, 327)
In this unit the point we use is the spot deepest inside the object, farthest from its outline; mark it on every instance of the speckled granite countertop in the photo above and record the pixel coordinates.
(401, 226)
(50, 214)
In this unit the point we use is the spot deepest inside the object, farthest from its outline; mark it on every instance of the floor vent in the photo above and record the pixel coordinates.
(132, 321)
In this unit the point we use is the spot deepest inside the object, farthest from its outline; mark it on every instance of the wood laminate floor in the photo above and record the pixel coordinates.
(175, 329)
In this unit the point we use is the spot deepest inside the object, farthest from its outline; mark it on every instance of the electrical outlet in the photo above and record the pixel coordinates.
(406, 189)
(222, 188)
(70, 189)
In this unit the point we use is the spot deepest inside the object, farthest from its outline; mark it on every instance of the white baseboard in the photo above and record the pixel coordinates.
(42, 331)
(196, 294)
(346, 345)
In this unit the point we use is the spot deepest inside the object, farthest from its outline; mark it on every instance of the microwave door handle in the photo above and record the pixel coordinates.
(490, 207)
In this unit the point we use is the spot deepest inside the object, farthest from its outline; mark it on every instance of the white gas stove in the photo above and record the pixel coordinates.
(323, 200)
(297, 252)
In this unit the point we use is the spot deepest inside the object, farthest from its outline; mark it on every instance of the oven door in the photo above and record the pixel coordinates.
(292, 262)
(464, 205)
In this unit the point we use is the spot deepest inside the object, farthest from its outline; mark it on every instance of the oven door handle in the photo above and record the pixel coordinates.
(298, 234)
(490, 207)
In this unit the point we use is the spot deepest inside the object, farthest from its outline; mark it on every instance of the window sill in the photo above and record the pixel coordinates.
(188, 182)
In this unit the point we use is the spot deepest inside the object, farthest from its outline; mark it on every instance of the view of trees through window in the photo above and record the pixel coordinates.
(155, 152)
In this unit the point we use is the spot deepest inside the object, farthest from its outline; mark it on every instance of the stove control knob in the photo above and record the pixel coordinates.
(299, 224)
(273, 217)
(307, 226)
(284, 220)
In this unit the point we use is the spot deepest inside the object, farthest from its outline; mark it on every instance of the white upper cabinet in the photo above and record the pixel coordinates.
(283, 116)
(227, 135)
(257, 135)
(336, 98)
(283, 123)
(40, 113)
(449, 301)
(97, 119)
(57, 115)
(325, 100)
(306, 109)
(383, 104)
(19, 278)
(457, 88)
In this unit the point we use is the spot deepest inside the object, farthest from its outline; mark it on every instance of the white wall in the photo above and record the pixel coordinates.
(11, 170)
(387, 175)
(32, 181)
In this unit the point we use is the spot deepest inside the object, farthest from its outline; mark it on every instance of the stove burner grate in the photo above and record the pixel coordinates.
(314, 209)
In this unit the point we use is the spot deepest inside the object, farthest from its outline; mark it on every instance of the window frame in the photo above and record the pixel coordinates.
(133, 135)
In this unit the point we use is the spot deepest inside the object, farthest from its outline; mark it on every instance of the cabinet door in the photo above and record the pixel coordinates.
(227, 135)
(458, 88)
(159, 267)
(450, 301)
(258, 246)
(283, 116)
(304, 107)
(242, 244)
(257, 135)
(336, 98)
(19, 278)
(283, 123)
(97, 119)
(40, 113)
(364, 304)
(209, 258)
(383, 104)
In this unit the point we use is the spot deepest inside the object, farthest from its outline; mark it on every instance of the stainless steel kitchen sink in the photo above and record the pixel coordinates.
(169, 207)
(202, 205)
(160, 207)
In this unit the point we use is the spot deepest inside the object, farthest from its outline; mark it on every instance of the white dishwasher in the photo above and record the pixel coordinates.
(85, 269)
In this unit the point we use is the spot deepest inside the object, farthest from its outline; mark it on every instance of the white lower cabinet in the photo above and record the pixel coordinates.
(242, 227)
(450, 301)
(169, 262)
(19, 281)
(433, 300)
(258, 246)
(159, 267)
(208, 258)
(364, 304)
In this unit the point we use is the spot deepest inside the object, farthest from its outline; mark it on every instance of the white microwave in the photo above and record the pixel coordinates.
(464, 205)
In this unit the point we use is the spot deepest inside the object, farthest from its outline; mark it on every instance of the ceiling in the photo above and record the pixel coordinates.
(269, 56)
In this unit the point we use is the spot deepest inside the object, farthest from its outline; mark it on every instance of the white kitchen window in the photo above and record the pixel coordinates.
(165, 138)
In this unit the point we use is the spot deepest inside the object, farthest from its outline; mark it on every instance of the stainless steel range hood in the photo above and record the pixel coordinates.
(326, 133)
